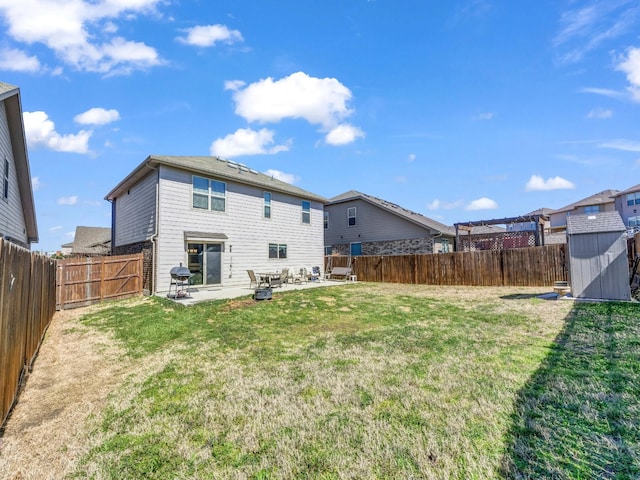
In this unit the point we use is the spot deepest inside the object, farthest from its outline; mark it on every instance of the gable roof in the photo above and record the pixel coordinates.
(595, 223)
(92, 240)
(215, 167)
(10, 95)
(404, 213)
(600, 198)
(635, 188)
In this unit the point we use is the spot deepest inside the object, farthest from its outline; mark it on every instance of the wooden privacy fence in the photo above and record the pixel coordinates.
(27, 304)
(84, 281)
(534, 266)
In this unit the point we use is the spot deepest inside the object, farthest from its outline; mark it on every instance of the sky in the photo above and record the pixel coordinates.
(461, 110)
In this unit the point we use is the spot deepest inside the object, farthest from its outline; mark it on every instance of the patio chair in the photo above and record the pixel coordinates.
(253, 280)
(315, 274)
(284, 277)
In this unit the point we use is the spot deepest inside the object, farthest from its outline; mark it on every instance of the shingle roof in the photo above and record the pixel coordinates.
(92, 240)
(395, 209)
(599, 198)
(596, 223)
(635, 188)
(213, 166)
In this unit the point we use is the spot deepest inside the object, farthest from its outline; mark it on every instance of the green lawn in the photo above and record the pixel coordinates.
(372, 381)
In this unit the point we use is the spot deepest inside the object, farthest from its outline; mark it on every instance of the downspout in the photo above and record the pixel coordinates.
(154, 236)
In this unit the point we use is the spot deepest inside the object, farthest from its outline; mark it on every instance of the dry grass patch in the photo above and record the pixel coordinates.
(365, 381)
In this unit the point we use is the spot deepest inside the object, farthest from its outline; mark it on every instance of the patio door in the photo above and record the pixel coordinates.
(205, 263)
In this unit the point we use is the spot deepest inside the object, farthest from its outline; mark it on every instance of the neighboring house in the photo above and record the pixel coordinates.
(217, 217)
(627, 204)
(66, 249)
(17, 208)
(91, 241)
(359, 224)
(599, 202)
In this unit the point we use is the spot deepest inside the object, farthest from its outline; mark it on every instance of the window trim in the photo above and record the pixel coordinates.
(211, 194)
(279, 247)
(325, 220)
(634, 198)
(266, 204)
(591, 209)
(354, 217)
(306, 211)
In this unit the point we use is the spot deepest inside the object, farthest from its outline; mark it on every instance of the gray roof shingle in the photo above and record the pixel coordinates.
(600, 198)
(595, 223)
(395, 209)
(213, 166)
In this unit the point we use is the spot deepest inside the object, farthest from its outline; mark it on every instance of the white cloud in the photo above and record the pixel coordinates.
(56, 228)
(208, 35)
(440, 205)
(484, 116)
(40, 132)
(284, 177)
(590, 25)
(412, 157)
(71, 234)
(79, 32)
(35, 183)
(246, 141)
(68, 200)
(401, 179)
(600, 113)
(621, 144)
(319, 101)
(343, 135)
(631, 66)
(234, 85)
(537, 183)
(97, 116)
(605, 92)
(15, 60)
(483, 203)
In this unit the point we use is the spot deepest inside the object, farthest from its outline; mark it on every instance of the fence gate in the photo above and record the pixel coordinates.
(83, 281)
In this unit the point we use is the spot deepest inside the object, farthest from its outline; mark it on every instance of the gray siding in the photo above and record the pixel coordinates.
(372, 225)
(598, 266)
(12, 221)
(248, 233)
(626, 211)
(135, 212)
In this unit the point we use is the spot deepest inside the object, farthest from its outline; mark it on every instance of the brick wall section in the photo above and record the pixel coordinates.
(146, 248)
(390, 247)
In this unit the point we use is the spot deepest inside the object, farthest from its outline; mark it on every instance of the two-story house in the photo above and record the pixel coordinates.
(217, 217)
(627, 204)
(17, 208)
(359, 224)
(599, 202)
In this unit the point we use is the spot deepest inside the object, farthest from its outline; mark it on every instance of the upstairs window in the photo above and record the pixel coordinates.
(591, 209)
(209, 194)
(351, 216)
(633, 199)
(326, 220)
(267, 205)
(633, 221)
(306, 212)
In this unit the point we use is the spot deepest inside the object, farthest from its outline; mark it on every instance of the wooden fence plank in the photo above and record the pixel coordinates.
(531, 266)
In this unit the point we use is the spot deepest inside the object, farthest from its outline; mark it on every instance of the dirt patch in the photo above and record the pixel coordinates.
(74, 372)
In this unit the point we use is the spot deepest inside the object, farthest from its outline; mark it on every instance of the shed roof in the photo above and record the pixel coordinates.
(10, 95)
(596, 223)
(413, 217)
(212, 166)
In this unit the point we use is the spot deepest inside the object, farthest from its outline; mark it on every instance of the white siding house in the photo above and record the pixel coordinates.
(217, 217)
(17, 208)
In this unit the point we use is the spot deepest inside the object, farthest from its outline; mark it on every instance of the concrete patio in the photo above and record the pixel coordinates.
(204, 294)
